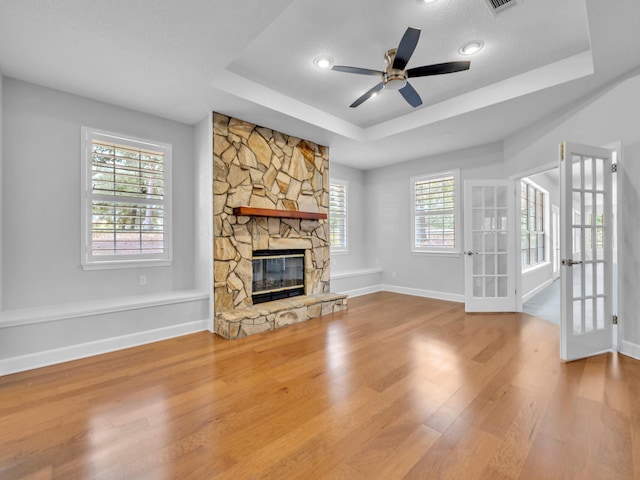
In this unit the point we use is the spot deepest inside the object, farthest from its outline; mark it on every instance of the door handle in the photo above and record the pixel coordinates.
(571, 263)
(470, 252)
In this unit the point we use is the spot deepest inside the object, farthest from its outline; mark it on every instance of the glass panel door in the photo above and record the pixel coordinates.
(489, 246)
(586, 250)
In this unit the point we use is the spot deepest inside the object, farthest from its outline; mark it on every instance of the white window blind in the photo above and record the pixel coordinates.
(435, 217)
(127, 208)
(338, 215)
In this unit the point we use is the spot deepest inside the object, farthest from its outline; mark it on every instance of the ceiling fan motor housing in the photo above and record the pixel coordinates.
(393, 78)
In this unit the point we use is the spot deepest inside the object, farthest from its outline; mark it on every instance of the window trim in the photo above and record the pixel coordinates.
(457, 209)
(89, 262)
(546, 212)
(344, 184)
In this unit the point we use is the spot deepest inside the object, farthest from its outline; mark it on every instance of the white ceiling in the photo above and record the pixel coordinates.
(253, 60)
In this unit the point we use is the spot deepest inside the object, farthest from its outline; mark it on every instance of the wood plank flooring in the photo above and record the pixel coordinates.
(397, 387)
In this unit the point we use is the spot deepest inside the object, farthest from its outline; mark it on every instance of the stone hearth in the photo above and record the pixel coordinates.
(261, 168)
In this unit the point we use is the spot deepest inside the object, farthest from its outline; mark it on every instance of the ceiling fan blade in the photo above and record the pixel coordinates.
(367, 95)
(411, 96)
(438, 69)
(407, 46)
(361, 71)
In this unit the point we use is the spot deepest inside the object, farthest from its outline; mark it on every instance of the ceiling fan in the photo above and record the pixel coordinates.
(395, 76)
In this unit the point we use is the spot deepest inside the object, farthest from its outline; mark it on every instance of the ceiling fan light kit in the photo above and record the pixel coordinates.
(395, 75)
(393, 78)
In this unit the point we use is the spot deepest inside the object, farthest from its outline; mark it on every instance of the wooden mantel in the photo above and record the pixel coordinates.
(268, 212)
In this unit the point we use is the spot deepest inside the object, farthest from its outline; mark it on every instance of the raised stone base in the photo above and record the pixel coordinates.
(268, 316)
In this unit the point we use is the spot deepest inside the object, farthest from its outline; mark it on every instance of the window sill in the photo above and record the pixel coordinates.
(434, 253)
(125, 264)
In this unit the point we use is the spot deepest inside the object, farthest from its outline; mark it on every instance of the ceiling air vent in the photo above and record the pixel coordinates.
(497, 6)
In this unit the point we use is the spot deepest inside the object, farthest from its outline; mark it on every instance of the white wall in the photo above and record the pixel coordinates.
(41, 220)
(352, 272)
(354, 258)
(388, 220)
(610, 116)
(53, 310)
(1, 196)
(204, 210)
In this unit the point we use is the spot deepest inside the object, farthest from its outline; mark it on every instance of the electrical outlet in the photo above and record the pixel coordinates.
(393, 274)
(143, 280)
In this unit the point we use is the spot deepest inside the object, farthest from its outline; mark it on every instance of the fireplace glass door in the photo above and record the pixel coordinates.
(277, 274)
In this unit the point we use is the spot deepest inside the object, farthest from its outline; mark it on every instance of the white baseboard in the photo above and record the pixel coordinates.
(74, 352)
(357, 292)
(355, 273)
(451, 297)
(630, 349)
(537, 290)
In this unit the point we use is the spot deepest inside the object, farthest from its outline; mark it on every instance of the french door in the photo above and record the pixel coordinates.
(586, 219)
(489, 246)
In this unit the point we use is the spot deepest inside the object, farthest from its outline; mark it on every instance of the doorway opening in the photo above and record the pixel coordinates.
(540, 244)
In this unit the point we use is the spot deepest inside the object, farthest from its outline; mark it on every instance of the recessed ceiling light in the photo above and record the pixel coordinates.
(323, 62)
(426, 1)
(470, 48)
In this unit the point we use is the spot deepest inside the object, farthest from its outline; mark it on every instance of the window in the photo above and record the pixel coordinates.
(436, 217)
(532, 219)
(126, 210)
(338, 215)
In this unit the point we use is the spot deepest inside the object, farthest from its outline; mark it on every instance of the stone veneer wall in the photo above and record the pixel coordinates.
(262, 168)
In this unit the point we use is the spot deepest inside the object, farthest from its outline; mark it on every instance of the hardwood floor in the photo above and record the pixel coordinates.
(397, 387)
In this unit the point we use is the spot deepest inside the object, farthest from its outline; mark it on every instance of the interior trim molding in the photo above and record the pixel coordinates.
(355, 273)
(98, 347)
(537, 290)
(358, 292)
(630, 349)
(417, 292)
(52, 313)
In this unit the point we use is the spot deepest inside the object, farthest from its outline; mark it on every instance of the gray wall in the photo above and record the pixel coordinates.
(41, 193)
(53, 310)
(204, 210)
(1, 195)
(388, 219)
(355, 257)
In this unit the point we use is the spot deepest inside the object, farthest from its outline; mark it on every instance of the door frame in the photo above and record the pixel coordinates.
(555, 235)
(618, 246)
(516, 212)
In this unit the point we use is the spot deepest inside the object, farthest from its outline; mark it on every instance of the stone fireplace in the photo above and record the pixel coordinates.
(271, 193)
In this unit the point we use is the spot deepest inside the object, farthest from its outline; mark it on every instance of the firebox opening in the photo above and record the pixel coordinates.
(277, 274)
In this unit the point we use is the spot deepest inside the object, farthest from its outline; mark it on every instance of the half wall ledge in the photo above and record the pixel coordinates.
(268, 316)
